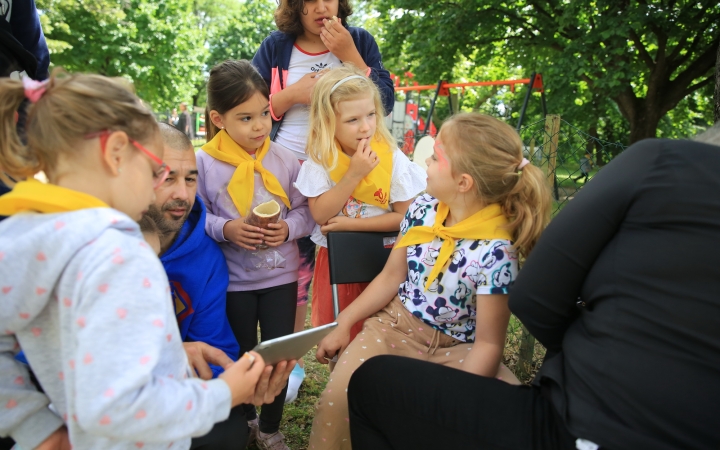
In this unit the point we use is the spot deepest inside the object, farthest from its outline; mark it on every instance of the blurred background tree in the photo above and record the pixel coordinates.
(640, 59)
(165, 47)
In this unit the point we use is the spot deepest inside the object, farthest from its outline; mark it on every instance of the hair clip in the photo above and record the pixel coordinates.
(34, 89)
(522, 164)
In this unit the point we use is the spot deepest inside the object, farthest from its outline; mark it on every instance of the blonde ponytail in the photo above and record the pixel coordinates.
(490, 151)
(527, 206)
(15, 158)
(71, 107)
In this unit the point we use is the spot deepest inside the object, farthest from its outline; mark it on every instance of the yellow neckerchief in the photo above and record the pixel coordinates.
(488, 223)
(374, 189)
(33, 195)
(242, 184)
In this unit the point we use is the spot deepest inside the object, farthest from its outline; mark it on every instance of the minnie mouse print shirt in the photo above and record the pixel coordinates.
(476, 267)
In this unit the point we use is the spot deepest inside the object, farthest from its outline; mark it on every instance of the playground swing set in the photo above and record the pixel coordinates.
(410, 129)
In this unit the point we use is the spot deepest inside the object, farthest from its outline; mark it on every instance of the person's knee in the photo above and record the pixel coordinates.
(372, 375)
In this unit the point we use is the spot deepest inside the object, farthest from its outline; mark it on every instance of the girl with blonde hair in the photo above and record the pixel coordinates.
(355, 171)
(443, 294)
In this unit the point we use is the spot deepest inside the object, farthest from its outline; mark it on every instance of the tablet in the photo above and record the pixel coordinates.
(292, 346)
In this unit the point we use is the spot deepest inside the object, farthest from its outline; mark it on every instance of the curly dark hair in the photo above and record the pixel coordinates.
(287, 15)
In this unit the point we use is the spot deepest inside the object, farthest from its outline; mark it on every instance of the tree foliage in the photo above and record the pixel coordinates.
(233, 30)
(165, 47)
(237, 32)
(638, 59)
(156, 44)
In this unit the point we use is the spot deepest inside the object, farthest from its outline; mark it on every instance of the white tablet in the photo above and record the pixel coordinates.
(292, 346)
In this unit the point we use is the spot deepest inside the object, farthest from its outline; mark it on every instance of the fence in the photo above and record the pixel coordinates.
(570, 158)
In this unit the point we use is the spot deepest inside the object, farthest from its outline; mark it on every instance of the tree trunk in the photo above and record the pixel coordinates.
(644, 126)
(644, 114)
(664, 91)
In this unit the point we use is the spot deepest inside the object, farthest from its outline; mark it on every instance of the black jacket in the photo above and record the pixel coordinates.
(639, 366)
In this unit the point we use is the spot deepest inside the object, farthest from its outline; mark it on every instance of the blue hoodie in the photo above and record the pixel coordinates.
(198, 276)
(272, 60)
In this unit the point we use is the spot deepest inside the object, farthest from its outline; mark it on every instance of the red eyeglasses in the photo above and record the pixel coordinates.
(159, 175)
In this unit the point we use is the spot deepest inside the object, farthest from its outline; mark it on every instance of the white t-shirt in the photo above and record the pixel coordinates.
(407, 182)
(293, 130)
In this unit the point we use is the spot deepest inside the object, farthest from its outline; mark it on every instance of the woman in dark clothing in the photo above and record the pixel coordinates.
(629, 311)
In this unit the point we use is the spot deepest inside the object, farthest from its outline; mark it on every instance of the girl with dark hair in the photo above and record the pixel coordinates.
(313, 35)
(239, 169)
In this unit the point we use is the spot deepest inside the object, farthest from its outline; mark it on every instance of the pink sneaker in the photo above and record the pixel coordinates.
(253, 426)
(274, 441)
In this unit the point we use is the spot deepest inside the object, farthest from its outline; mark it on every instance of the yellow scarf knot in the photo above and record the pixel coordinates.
(374, 189)
(242, 184)
(488, 223)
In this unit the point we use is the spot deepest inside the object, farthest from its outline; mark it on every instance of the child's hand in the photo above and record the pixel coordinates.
(337, 223)
(338, 40)
(200, 355)
(59, 440)
(242, 377)
(304, 87)
(271, 383)
(333, 344)
(362, 162)
(277, 234)
(242, 234)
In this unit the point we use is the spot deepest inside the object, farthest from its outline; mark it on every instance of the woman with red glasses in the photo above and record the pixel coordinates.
(83, 295)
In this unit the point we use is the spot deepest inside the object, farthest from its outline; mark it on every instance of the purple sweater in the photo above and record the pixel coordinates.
(213, 179)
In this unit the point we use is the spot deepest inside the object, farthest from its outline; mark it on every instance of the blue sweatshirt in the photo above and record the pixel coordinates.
(198, 277)
(25, 23)
(273, 59)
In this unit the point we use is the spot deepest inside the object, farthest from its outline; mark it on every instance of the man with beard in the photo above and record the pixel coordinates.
(198, 276)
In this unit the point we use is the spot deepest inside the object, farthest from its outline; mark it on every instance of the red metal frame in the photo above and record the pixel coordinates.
(537, 84)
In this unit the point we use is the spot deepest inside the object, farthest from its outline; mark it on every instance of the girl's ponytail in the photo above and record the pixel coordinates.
(527, 205)
(15, 158)
(71, 107)
(490, 151)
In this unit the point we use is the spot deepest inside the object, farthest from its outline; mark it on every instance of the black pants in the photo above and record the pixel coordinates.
(232, 434)
(274, 308)
(403, 403)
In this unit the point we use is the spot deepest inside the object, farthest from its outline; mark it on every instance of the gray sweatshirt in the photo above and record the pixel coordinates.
(89, 303)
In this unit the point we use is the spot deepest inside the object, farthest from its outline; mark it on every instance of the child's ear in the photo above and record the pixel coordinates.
(216, 119)
(465, 183)
(115, 152)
